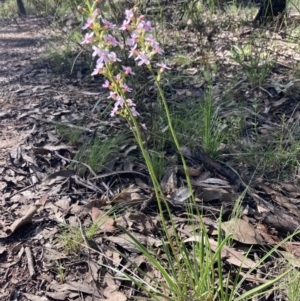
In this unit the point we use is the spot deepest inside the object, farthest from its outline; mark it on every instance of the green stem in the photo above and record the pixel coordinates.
(166, 108)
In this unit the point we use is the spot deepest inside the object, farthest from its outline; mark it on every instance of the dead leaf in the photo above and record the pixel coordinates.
(57, 295)
(35, 297)
(169, 181)
(181, 194)
(242, 231)
(116, 296)
(229, 254)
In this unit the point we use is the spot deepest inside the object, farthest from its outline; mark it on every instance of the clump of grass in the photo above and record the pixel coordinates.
(98, 152)
(254, 61)
(72, 135)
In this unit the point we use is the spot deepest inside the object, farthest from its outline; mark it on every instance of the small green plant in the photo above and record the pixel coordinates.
(158, 162)
(60, 272)
(291, 283)
(71, 239)
(98, 152)
(255, 63)
(212, 130)
(72, 135)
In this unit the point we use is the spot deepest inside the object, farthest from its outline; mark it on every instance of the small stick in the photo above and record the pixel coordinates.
(30, 261)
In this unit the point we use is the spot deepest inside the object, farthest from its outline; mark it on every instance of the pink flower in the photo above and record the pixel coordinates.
(112, 95)
(98, 69)
(108, 25)
(151, 41)
(88, 38)
(118, 78)
(110, 40)
(113, 57)
(158, 50)
(130, 102)
(132, 40)
(126, 88)
(129, 14)
(133, 51)
(125, 25)
(119, 101)
(143, 59)
(103, 56)
(96, 12)
(128, 70)
(89, 23)
(162, 67)
(97, 51)
(114, 111)
(134, 112)
(106, 84)
(145, 26)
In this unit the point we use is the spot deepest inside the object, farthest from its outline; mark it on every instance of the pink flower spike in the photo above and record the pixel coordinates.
(88, 38)
(144, 59)
(113, 57)
(129, 14)
(128, 70)
(106, 84)
(125, 25)
(126, 88)
(88, 24)
(108, 25)
(110, 40)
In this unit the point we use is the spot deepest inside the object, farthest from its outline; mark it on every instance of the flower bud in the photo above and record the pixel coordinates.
(80, 8)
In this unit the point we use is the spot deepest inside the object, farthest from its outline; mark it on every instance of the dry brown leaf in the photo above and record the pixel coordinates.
(229, 254)
(181, 194)
(169, 181)
(57, 295)
(116, 296)
(139, 221)
(242, 231)
(31, 297)
(96, 212)
(129, 194)
(214, 193)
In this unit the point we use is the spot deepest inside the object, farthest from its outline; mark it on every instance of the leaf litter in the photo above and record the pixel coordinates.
(41, 195)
